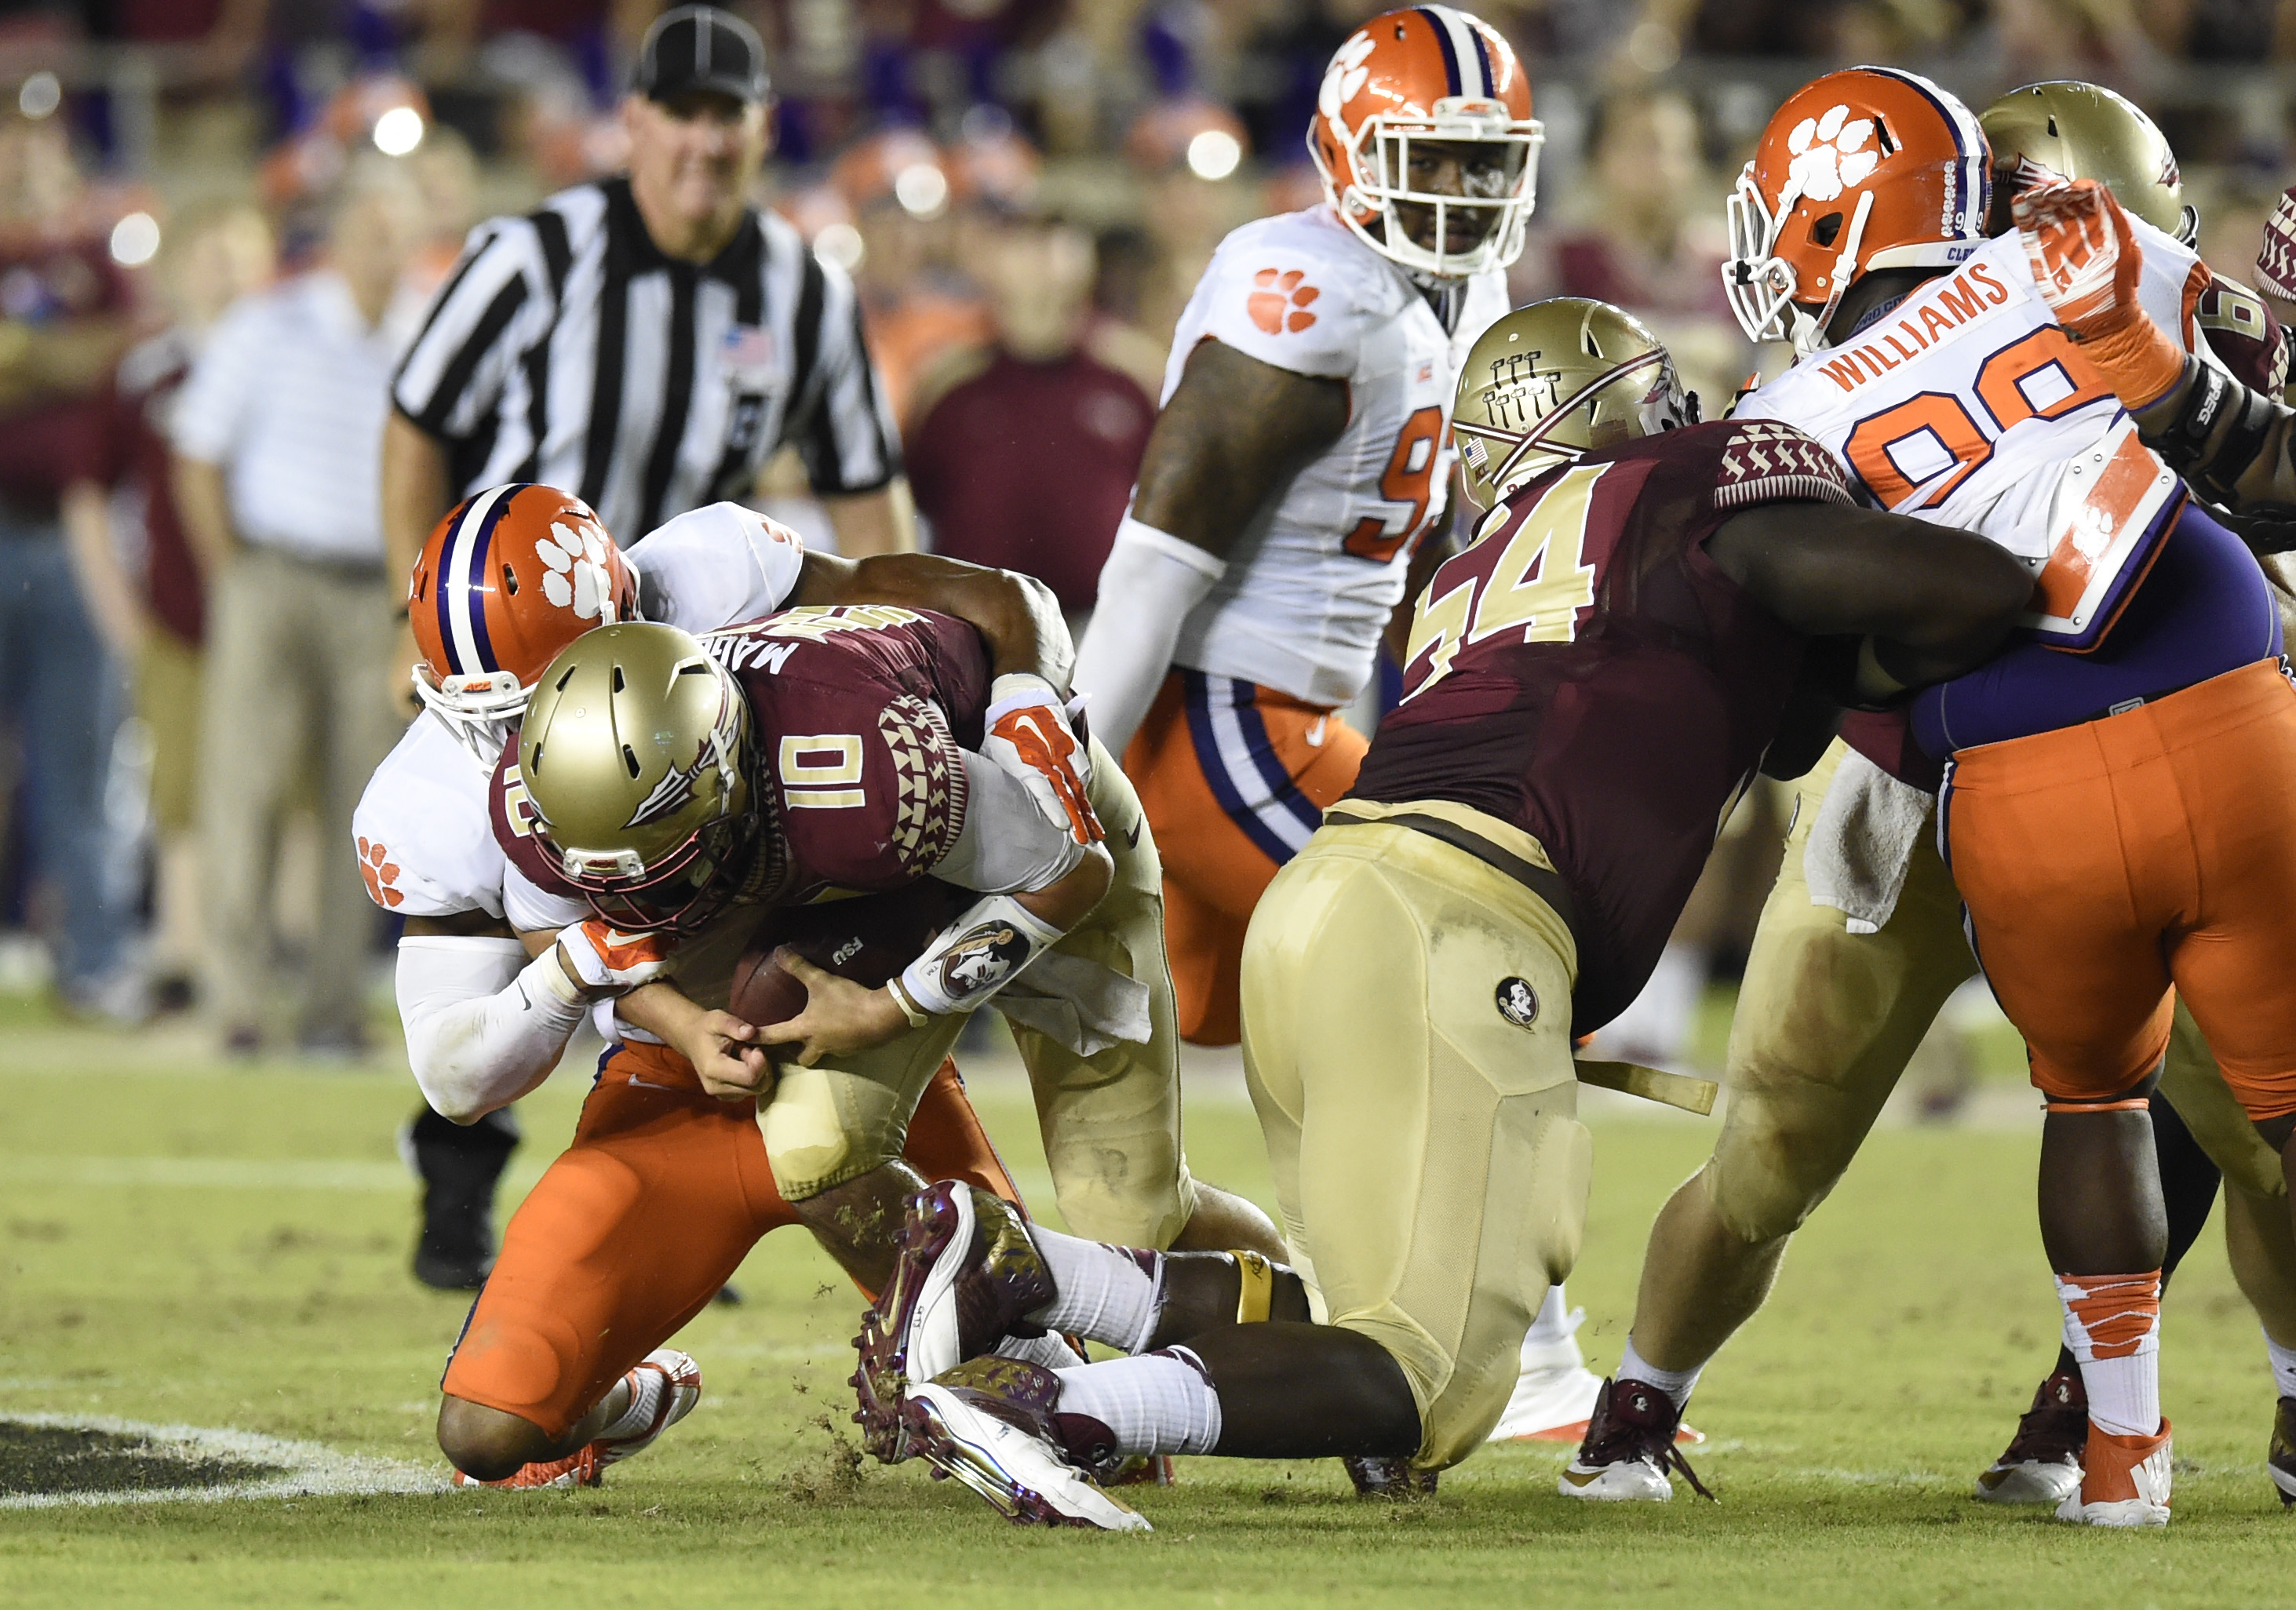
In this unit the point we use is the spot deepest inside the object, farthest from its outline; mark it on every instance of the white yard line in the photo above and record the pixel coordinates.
(308, 1470)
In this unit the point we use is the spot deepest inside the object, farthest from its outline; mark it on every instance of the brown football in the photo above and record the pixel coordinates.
(867, 939)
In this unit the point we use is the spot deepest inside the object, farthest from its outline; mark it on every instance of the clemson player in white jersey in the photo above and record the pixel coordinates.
(508, 579)
(1302, 455)
(1932, 366)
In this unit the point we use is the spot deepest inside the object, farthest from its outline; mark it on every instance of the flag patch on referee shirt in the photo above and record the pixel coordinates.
(748, 354)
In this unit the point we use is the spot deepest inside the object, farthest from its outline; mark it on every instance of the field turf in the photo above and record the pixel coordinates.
(185, 1244)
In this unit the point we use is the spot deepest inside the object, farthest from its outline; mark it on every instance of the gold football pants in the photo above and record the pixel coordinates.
(1407, 1039)
(1111, 1121)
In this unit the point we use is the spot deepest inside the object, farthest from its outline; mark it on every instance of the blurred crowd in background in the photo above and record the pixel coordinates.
(1025, 191)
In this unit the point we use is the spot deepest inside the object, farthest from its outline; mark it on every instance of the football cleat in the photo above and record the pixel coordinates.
(966, 1274)
(2124, 1481)
(2042, 1463)
(2280, 1458)
(1630, 1448)
(992, 1423)
(1376, 1476)
(1553, 1395)
(673, 1379)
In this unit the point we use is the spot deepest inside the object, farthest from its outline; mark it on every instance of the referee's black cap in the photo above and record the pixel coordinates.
(692, 48)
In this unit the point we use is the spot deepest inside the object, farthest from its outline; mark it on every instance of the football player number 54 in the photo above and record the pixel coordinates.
(1534, 582)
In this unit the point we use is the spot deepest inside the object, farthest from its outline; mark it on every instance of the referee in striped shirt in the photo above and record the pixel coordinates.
(646, 342)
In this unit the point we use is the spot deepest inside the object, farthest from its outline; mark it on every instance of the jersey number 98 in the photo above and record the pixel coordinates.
(1409, 478)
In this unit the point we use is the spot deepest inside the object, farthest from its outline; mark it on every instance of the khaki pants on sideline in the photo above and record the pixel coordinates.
(1111, 1121)
(297, 652)
(1406, 1037)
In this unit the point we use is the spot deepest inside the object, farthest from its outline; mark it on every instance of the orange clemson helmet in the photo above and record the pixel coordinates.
(511, 576)
(1428, 73)
(1869, 167)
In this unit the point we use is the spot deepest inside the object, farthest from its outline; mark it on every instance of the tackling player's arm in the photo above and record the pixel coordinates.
(1927, 603)
(1017, 616)
(1225, 446)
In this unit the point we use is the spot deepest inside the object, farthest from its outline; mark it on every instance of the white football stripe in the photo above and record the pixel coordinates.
(455, 567)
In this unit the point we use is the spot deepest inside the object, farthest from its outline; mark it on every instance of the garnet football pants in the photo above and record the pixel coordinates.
(633, 1231)
(1234, 778)
(2110, 866)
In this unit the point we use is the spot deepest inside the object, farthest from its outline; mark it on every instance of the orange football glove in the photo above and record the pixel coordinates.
(1030, 736)
(2086, 261)
(604, 960)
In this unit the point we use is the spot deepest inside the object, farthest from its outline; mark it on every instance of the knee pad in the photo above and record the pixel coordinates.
(810, 1142)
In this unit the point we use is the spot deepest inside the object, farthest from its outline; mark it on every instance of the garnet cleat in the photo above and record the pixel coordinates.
(2042, 1464)
(1629, 1448)
(993, 1425)
(966, 1277)
(2124, 1481)
(2280, 1457)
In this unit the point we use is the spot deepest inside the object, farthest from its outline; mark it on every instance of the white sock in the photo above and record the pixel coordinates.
(1104, 1293)
(646, 1387)
(1047, 1349)
(2284, 1366)
(1159, 1403)
(1555, 1323)
(1676, 1383)
(2112, 1324)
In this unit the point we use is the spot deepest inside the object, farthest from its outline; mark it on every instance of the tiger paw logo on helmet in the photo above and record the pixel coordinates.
(577, 577)
(1346, 75)
(1281, 302)
(1829, 158)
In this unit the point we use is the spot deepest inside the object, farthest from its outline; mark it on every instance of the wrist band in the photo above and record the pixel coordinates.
(976, 955)
(909, 1008)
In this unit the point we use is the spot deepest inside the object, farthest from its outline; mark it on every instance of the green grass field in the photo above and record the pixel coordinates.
(186, 1243)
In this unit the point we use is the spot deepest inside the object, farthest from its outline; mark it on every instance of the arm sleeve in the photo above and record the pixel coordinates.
(1007, 846)
(716, 567)
(452, 377)
(484, 1024)
(842, 426)
(212, 412)
(1126, 652)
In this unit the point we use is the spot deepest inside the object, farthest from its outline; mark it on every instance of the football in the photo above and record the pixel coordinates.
(867, 939)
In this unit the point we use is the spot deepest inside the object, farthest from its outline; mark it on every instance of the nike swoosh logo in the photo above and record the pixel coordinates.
(1578, 1480)
(1132, 839)
(1315, 731)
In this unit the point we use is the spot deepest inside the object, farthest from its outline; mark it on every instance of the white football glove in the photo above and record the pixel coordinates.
(1029, 735)
(602, 960)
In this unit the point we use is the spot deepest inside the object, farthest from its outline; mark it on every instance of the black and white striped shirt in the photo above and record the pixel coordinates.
(566, 349)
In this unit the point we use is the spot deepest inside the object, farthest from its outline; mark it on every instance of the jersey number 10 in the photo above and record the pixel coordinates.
(1535, 583)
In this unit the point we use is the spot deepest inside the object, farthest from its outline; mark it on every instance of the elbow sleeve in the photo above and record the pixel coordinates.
(484, 1025)
(1148, 586)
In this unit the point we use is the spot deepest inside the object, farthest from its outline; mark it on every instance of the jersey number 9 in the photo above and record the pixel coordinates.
(1409, 478)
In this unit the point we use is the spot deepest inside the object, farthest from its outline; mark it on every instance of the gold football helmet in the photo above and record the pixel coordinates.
(2084, 131)
(633, 752)
(1556, 380)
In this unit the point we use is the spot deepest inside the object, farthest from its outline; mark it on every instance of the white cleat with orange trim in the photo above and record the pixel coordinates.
(664, 1387)
(2124, 1482)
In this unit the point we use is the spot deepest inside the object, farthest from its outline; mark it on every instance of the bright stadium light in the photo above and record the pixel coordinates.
(398, 131)
(841, 244)
(1214, 154)
(134, 240)
(42, 93)
(922, 189)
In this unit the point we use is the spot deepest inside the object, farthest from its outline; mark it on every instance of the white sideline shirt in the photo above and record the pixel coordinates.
(289, 397)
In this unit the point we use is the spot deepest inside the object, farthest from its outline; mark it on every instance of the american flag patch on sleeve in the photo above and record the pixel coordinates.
(1767, 461)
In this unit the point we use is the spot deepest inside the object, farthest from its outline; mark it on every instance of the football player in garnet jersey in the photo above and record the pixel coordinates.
(508, 578)
(1647, 618)
(1302, 456)
(1935, 372)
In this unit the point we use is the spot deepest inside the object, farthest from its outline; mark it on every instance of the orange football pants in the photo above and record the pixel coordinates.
(632, 1232)
(1234, 778)
(2111, 866)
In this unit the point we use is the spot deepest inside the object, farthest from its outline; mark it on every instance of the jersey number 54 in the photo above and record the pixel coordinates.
(1535, 582)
